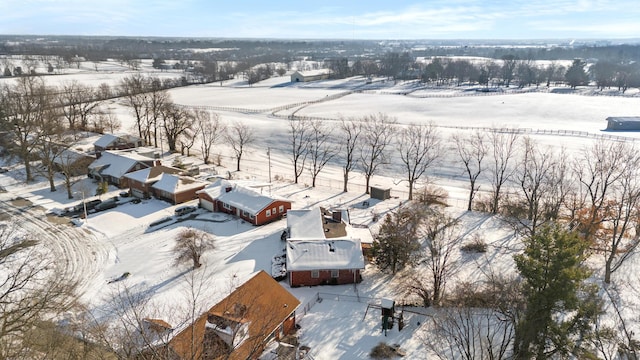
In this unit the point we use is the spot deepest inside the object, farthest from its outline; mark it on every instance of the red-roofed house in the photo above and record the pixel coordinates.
(241, 325)
(245, 203)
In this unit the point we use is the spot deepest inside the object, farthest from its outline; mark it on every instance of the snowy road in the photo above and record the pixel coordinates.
(77, 252)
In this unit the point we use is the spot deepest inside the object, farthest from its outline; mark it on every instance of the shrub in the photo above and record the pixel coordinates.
(432, 195)
(382, 351)
(476, 245)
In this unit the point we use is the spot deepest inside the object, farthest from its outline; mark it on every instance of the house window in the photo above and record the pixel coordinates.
(268, 212)
(245, 213)
(226, 206)
(273, 211)
(315, 274)
(281, 209)
(252, 216)
(335, 273)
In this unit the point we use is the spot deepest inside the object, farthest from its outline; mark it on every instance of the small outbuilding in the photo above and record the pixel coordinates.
(623, 123)
(380, 193)
(311, 75)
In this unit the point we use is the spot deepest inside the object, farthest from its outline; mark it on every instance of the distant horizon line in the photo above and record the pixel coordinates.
(509, 40)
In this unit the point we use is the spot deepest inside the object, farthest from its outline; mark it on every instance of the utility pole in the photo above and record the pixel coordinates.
(269, 157)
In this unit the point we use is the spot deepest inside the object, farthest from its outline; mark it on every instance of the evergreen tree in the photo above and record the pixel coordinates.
(556, 306)
(576, 75)
(397, 242)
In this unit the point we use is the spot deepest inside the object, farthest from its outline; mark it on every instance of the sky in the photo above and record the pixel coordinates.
(326, 19)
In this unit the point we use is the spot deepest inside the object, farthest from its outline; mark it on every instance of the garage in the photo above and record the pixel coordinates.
(137, 193)
(206, 204)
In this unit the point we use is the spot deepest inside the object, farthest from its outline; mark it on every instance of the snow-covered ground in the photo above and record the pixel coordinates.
(121, 240)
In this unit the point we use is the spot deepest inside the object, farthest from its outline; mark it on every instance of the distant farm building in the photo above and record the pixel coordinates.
(312, 75)
(623, 123)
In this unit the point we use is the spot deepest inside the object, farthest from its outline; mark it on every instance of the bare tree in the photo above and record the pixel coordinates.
(211, 130)
(51, 143)
(350, 131)
(239, 136)
(535, 178)
(190, 245)
(443, 238)
(469, 333)
(134, 91)
(24, 105)
(175, 121)
(157, 101)
(619, 239)
(78, 102)
(321, 150)
(377, 133)
(472, 151)
(299, 130)
(503, 148)
(32, 289)
(105, 122)
(419, 148)
(598, 170)
(70, 164)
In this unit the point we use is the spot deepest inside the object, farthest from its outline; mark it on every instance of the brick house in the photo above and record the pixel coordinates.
(72, 162)
(111, 166)
(243, 202)
(321, 250)
(177, 188)
(241, 325)
(140, 181)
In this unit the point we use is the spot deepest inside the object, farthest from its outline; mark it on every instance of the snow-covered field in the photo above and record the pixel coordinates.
(121, 240)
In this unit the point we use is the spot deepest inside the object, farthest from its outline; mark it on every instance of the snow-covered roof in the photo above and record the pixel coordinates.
(105, 140)
(149, 175)
(624, 118)
(108, 139)
(318, 72)
(238, 196)
(110, 164)
(69, 156)
(334, 254)
(174, 184)
(363, 234)
(305, 224)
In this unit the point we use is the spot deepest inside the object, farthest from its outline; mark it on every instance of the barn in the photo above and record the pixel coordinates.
(623, 123)
(311, 75)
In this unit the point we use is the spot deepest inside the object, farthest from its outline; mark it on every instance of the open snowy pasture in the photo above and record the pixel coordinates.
(124, 240)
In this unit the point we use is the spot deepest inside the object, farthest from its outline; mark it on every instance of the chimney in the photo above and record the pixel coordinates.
(227, 189)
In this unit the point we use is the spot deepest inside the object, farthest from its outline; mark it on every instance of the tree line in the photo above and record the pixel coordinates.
(569, 209)
(505, 71)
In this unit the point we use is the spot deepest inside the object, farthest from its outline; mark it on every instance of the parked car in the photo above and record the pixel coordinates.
(182, 210)
(107, 204)
(3, 170)
(90, 205)
(124, 194)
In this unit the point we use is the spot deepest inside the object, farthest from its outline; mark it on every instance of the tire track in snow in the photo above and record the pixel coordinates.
(75, 251)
